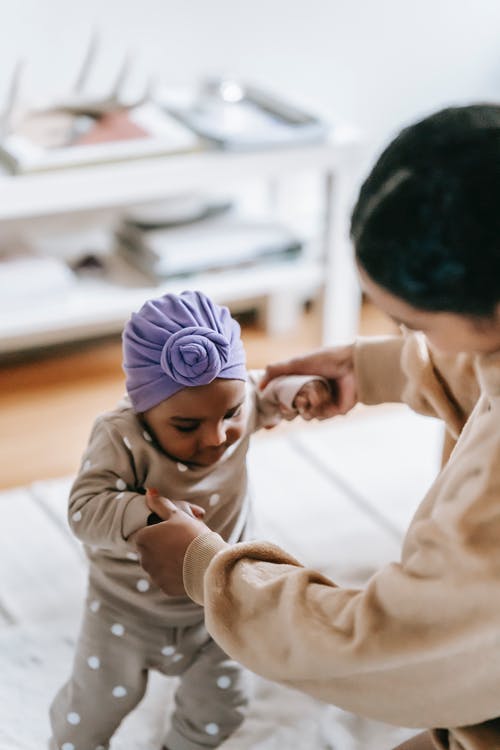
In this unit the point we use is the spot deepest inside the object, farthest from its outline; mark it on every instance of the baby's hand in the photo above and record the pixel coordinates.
(313, 400)
(156, 504)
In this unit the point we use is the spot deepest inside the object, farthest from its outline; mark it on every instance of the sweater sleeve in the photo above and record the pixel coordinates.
(106, 505)
(412, 648)
(276, 401)
(418, 646)
(405, 369)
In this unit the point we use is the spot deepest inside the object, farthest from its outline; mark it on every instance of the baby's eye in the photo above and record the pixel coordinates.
(186, 428)
(233, 413)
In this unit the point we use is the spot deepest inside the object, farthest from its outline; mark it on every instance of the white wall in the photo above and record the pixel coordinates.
(377, 63)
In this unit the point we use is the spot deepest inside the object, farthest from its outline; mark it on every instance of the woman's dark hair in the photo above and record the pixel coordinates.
(426, 226)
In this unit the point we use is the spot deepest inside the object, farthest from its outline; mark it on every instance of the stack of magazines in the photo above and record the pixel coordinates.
(208, 237)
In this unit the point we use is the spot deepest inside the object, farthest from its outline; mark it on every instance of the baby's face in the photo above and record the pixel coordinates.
(197, 425)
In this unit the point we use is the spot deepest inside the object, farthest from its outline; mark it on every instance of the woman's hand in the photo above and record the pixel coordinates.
(162, 547)
(336, 365)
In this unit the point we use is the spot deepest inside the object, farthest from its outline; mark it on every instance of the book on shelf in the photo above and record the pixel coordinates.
(57, 139)
(237, 116)
(28, 280)
(223, 241)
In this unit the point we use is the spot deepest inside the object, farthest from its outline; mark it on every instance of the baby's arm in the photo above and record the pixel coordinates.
(312, 398)
(288, 396)
(107, 502)
(156, 504)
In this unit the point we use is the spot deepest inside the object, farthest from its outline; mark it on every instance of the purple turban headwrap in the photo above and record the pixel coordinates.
(177, 341)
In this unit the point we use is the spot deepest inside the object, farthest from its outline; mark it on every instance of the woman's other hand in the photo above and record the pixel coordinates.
(336, 365)
(162, 547)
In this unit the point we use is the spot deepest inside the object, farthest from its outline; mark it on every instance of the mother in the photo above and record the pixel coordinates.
(419, 645)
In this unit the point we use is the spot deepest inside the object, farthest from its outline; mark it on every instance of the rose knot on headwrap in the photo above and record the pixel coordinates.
(194, 355)
(178, 341)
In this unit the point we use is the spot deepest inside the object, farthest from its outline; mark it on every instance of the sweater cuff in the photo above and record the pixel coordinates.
(198, 557)
(377, 368)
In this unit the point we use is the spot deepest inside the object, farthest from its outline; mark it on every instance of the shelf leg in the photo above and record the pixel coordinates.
(281, 312)
(341, 298)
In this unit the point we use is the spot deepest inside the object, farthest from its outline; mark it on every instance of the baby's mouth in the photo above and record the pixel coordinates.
(210, 456)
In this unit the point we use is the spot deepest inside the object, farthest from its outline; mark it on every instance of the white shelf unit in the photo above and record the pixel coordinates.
(97, 307)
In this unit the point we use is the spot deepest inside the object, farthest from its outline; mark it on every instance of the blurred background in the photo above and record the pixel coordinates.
(162, 145)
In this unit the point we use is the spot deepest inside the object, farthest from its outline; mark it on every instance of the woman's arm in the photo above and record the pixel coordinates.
(377, 370)
(412, 648)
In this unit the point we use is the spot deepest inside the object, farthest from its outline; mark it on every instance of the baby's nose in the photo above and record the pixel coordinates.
(216, 434)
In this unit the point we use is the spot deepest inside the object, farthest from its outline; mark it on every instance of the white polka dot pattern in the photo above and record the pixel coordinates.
(94, 605)
(73, 718)
(120, 496)
(120, 484)
(168, 650)
(132, 556)
(212, 728)
(142, 585)
(77, 516)
(127, 443)
(94, 662)
(117, 629)
(87, 465)
(214, 498)
(119, 691)
(182, 467)
(223, 682)
(177, 657)
(147, 436)
(67, 746)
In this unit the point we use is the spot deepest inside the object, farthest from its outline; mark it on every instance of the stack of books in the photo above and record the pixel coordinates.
(217, 237)
(28, 280)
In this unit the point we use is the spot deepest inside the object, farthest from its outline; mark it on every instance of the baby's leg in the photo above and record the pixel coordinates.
(107, 682)
(211, 698)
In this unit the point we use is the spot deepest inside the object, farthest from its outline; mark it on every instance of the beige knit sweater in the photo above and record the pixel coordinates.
(419, 645)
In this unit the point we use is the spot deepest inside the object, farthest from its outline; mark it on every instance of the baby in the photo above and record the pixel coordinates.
(182, 431)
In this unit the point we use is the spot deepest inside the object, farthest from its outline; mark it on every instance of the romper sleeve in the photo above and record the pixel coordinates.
(106, 503)
(276, 401)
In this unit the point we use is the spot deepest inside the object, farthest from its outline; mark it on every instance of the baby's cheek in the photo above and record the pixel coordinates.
(182, 446)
